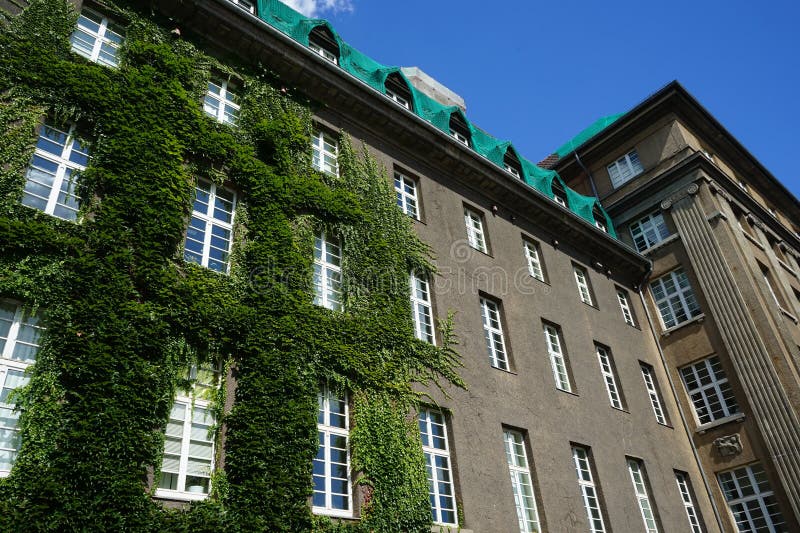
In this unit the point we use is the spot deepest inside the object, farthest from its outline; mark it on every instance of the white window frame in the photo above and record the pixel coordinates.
(601, 226)
(745, 480)
(513, 171)
(710, 387)
(648, 231)
(325, 153)
(328, 281)
(493, 333)
(326, 430)
(476, 236)
(209, 221)
(625, 307)
(636, 471)
(625, 169)
(103, 36)
(677, 303)
(521, 481)
(8, 364)
(398, 99)
(560, 199)
(684, 488)
(190, 405)
(459, 137)
(558, 362)
(245, 5)
(609, 377)
(407, 198)
(438, 454)
(320, 51)
(222, 102)
(422, 308)
(61, 179)
(652, 391)
(591, 500)
(531, 251)
(582, 280)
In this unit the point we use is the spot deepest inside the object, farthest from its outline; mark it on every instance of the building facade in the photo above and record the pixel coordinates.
(723, 293)
(573, 417)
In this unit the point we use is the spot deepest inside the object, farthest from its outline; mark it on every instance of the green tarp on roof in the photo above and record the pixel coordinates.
(297, 26)
(595, 128)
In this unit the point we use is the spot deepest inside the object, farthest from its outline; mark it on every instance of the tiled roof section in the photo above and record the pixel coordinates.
(549, 162)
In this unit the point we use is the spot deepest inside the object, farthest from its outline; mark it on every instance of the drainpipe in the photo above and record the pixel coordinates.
(675, 395)
(591, 178)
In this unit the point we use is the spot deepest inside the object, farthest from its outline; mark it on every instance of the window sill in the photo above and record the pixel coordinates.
(752, 239)
(448, 528)
(698, 320)
(486, 253)
(787, 268)
(571, 393)
(504, 370)
(167, 494)
(702, 429)
(590, 305)
(332, 512)
(660, 244)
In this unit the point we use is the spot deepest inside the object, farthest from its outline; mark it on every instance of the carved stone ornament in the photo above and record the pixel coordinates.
(728, 445)
(691, 190)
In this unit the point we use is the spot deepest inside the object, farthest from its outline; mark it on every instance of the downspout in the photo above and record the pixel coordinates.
(591, 178)
(675, 395)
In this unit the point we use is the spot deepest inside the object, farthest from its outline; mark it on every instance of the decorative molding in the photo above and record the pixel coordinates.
(668, 202)
(729, 445)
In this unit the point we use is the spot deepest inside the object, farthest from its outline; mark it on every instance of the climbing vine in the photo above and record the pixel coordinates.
(126, 316)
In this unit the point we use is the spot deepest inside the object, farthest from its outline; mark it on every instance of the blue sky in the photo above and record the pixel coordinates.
(537, 73)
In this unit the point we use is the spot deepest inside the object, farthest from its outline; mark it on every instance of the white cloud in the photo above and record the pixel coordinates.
(315, 8)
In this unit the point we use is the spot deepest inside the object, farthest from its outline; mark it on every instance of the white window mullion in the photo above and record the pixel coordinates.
(534, 263)
(521, 481)
(421, 308)
(493, 331)
(627, 314)
(688, 503)
(652, 392)
(635, 469)
(591, 500)
(607, 370)
(435, 447)
(583, 285)
(557, 361)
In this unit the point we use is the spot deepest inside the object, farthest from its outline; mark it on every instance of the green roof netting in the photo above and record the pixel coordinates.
(298, 27)
(595, 128)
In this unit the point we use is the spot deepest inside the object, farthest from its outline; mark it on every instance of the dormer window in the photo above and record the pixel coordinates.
(247, 5)
(599, 219)
(397, 89)
(511, 164)
(459, 129)
(322, 41)
(559, 194)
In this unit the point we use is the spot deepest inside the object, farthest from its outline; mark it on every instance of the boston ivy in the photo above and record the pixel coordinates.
(126, 316)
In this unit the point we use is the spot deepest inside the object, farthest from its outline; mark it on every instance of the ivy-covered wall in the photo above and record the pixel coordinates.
(126, 316)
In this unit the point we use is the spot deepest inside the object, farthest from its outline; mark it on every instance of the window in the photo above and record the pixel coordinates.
(599, 219)
(332, 486)
(583, 284)
(591, 501)
(521, 483)
(511, 164)
(493, 331)
(684, 487)
(552, 337)
(751, 500)
(531, 251)
(97, 39)
(742, 185)
(247, 5)
(625, 307)
(406, 190)
(624, 168)
(189, 445)
(221, 102)
(674, 298)
(768, 281)
(709, 390)
(397, 89)
(327, 272)
(210, 234)
(636, 470)
(459, 129)
(433, 431)
(20, 334)
(421, 308)
(188, 451)
(325, 152)
(475, 235)
(649, 231)
(609, 376)
(559, 194)
(50, 179)
(322, 41)
(652, 391)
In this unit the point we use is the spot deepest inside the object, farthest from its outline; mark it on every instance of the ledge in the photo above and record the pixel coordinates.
(788, 314)
(787, 268)
(449, 529)
(738, 417)
(752, 239)
(698, 319)
(672, 238)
